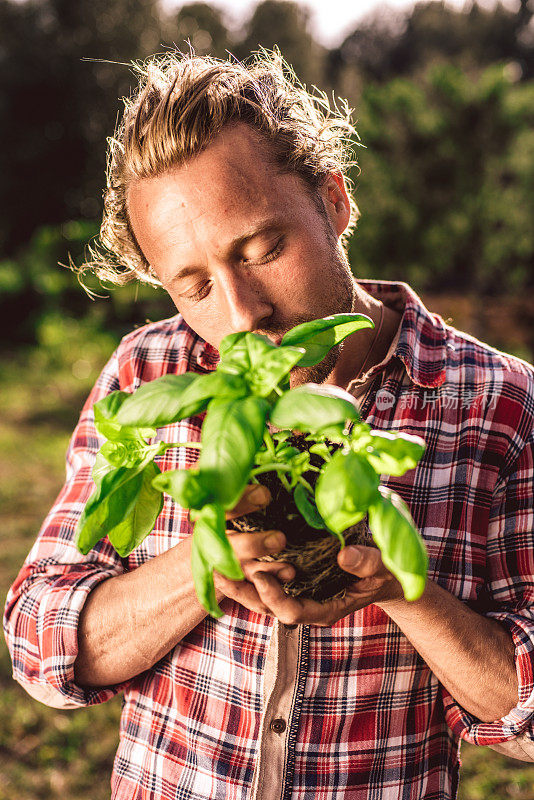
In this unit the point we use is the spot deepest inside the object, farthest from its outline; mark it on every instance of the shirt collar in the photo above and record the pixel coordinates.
(208, 356)
(420, 342)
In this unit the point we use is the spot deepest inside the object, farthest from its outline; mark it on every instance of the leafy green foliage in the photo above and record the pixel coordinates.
(212, 550)
(403, 550)
(231, 434)
(313, 408)
(247, 391)
(319, 336)
(393, 454)
(346, 488)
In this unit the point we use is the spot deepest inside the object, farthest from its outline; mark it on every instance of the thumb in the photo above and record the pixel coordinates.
(360, 560)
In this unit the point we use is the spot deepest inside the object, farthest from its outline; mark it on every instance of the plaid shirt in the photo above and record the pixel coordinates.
(357, 713)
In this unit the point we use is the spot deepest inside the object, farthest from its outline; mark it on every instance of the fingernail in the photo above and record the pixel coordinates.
(351, 556)
(273, 542)
(258, 496)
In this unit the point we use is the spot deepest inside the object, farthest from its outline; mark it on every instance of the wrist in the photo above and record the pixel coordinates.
(397, 606)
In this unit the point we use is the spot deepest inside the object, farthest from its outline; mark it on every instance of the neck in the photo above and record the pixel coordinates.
(365, 345)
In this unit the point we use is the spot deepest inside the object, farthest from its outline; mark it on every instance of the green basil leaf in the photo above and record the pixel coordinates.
(130, 532)
(122, 433)
(203, 581)
(236, 360)
(345, 489)
(125, 453)
(105, 411)
(313, 407)
(308, 509)
(213, 543)
(402, 547)
(207, 387)
(320, 335)
(185, 486)
(111, 502)
(268, 371)
(244, 352)
(394, 453)
(285, 452)
(211, 550)
(232, 433)
(259, 348)
(107, 407)
(156, 403)
(100, 468)
(321, 449)
(171, 398)
(280, 436)
(229, 342)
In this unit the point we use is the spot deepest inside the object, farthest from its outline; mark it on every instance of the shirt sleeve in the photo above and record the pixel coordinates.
(510, 601)
(44, 603)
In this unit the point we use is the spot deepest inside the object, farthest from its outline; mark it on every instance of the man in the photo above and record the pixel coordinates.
(226, 186)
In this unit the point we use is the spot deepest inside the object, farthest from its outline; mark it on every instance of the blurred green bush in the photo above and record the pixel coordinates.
(445, 188)
(41, 298)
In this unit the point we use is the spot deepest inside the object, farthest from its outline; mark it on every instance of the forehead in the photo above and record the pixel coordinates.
(228, 185)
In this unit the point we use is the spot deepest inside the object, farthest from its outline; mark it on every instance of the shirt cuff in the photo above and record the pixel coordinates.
(43, 661)
(520, 720)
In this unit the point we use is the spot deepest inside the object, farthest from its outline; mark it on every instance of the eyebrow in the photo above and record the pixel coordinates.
(259, 229)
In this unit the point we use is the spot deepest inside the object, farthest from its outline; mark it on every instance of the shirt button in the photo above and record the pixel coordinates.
(278, 725)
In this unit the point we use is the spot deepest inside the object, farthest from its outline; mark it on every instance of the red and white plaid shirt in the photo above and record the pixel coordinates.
(359, 714)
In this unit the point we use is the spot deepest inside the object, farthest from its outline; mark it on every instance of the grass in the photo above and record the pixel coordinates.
(47, 754)
(44, 753)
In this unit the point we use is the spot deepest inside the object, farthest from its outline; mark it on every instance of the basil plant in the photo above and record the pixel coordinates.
(249, 389)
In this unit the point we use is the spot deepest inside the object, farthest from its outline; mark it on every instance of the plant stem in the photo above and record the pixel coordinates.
(280, 468)
(305, 483)
(198, 445)
(284, 481)
(270, 468)
(269, 443)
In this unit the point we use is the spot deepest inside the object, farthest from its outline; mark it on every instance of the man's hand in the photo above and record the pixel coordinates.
(249, 547)
(376, 584)
(261, 590)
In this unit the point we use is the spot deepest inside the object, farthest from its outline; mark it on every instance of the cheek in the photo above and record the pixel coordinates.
(205, 322)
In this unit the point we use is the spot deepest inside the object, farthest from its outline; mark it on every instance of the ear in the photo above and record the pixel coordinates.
(336, 201)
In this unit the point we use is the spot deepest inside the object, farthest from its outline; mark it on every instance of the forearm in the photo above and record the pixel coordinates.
(471, 655)
(131, 621)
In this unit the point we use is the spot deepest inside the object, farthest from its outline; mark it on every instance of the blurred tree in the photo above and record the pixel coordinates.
(389, 44)
(58, 108)
(201, 25)
(446, 188)
(285, 24)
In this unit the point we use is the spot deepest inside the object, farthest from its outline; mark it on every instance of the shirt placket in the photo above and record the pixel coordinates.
(280, 677)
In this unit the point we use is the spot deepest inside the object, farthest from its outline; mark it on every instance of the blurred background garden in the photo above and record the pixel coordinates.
(443, 96)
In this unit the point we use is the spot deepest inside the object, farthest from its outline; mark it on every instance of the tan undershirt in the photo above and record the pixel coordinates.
(359, 386)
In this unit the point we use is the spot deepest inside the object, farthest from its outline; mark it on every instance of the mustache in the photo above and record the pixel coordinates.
(279, 330)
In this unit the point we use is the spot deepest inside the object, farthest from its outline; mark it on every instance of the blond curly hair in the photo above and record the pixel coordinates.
(181, 102)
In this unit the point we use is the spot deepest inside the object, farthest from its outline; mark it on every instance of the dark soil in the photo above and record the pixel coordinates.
(311, 551)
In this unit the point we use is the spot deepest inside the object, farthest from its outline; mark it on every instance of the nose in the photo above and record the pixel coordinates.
(245, 305)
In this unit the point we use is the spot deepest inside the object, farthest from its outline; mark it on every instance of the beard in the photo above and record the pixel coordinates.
(340, 300)
(319, 372)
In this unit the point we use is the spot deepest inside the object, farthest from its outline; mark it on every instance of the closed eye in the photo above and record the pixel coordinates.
(204, 290)
(270, 256)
